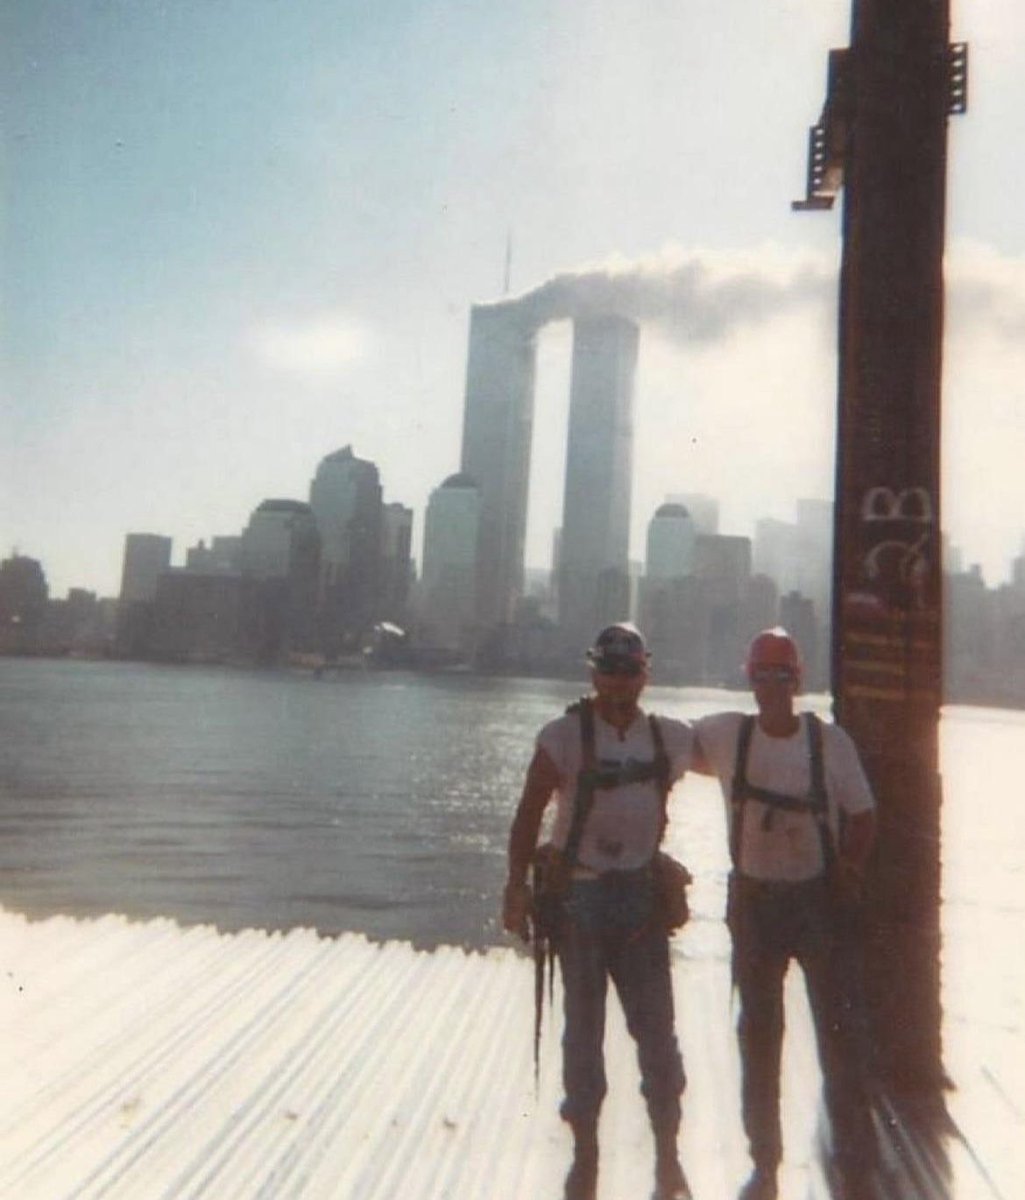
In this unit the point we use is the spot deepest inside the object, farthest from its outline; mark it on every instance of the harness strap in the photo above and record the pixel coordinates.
(661, 773)
(816, 803)
(587, 779)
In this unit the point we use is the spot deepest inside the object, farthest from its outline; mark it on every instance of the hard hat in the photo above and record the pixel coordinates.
(618, 646)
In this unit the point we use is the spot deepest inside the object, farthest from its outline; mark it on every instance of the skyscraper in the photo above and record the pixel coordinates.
(279, 534)
(146, 556)
(280, 561)
(704, 510)
(669, 608)
(594, 581)
(497, 427)
(450, 565)
(396, 561)
(345, 496)
(670, 549)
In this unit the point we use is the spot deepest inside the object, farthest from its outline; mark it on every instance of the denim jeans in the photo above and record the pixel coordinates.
(770, 924)
(606, 931)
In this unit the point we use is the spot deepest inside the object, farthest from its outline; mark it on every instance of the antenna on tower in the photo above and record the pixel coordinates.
(508, 263)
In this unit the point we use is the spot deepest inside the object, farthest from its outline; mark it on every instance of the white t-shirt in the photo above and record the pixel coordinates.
(622, 828)
(790, 848)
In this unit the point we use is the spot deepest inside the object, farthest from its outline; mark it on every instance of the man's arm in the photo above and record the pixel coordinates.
(852, 858)
(542, 779)
(859, 827)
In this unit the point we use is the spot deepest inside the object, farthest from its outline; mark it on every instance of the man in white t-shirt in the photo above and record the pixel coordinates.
(802, 823)
(606, 925)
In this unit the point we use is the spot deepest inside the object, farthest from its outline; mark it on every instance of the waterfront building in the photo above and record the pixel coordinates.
(280, 560)
(449, 583)
(594, 586)
(345, 497)
(396, 563)
(280, 535)
(223, 554)
(146, 556)
(76, 625)
(196, 617)
(23, 600)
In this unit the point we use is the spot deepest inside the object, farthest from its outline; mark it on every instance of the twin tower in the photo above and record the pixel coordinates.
(592, 563)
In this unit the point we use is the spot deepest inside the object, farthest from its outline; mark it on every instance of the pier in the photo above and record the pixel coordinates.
(148, 1059)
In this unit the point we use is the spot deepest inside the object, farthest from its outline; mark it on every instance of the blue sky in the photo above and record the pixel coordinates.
(239, 234)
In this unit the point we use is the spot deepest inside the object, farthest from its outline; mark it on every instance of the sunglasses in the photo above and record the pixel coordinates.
(629, 669)
(773, 675)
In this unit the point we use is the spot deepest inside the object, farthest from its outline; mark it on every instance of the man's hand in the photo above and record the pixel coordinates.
(516, 909)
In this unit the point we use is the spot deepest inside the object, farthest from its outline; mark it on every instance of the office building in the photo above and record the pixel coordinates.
(198, 617)
(449, 581)
(345, 497)
(497, 429)
(670, 544)
(396, 563)
(146, 557)
(24, 594)
(223, 554)
(669, 608)
(280, 540)
(594, 586)
(703, 510)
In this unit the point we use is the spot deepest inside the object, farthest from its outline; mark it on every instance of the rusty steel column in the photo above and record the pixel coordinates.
(887, 600)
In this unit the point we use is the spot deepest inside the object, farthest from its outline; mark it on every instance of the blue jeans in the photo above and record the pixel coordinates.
(605, 931)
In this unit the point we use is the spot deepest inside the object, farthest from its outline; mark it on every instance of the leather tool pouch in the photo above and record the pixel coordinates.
(671, 882)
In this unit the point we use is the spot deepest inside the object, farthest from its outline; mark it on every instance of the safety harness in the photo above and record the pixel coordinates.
(548, 892)
(816, 803)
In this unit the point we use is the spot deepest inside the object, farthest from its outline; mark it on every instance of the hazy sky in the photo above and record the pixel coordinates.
(240, 234)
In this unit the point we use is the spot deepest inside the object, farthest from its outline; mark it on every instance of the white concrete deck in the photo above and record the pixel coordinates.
(147, 1060)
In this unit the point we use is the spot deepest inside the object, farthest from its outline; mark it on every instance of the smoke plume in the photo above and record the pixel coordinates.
(691, 300)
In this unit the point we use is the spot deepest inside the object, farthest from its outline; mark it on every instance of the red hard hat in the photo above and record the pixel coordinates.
(773, 648)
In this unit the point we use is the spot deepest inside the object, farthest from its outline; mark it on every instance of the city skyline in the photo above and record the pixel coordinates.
(237, 238)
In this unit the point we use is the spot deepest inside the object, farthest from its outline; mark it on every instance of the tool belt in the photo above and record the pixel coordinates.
(552, 875)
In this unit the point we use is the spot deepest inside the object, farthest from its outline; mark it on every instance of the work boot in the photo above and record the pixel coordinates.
(582, 1179)
(760, 1185)
(670, 1181)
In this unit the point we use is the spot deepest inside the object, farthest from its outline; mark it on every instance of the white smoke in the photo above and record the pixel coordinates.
(690, 299)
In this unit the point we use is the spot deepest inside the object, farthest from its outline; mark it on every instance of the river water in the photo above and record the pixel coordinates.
(380, 802)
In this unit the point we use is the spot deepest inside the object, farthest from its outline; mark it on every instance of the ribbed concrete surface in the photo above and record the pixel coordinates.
(146, 1060)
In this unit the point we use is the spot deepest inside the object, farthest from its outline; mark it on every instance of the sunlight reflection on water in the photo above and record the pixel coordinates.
(381, 803)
